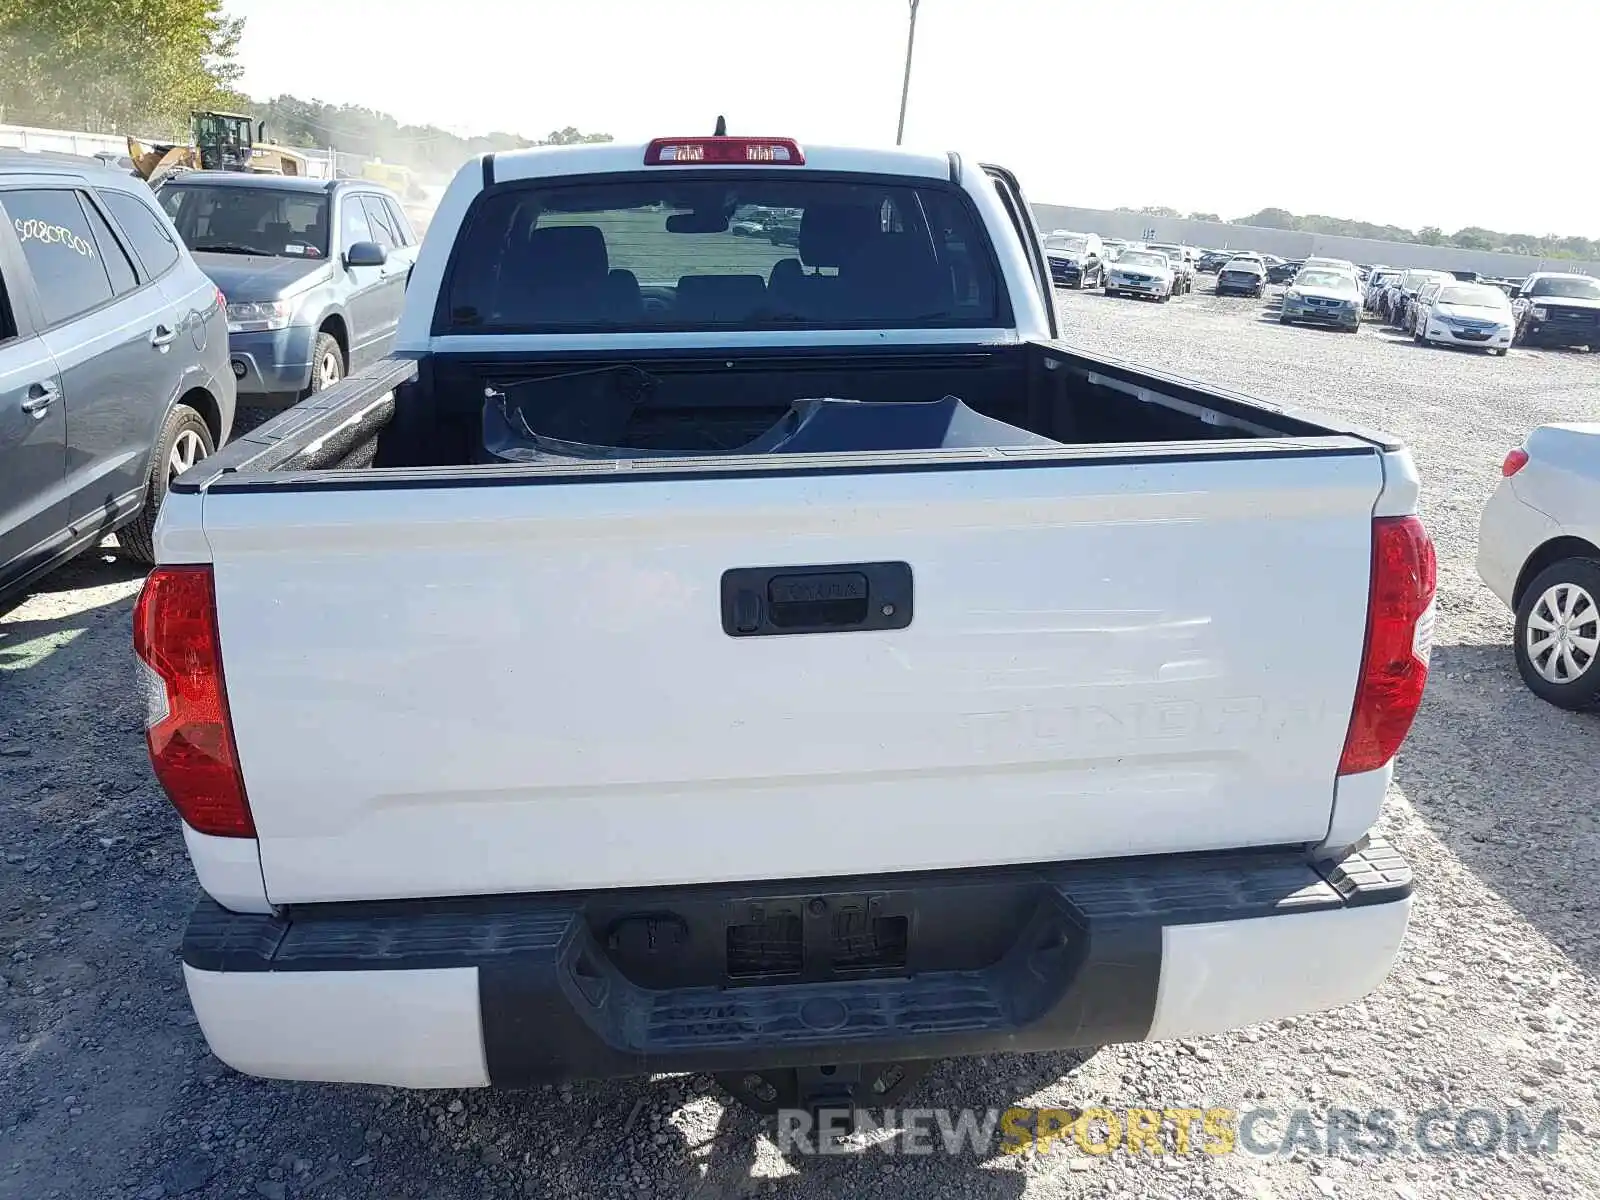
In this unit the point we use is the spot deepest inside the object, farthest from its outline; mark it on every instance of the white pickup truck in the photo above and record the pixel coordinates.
(536, 711)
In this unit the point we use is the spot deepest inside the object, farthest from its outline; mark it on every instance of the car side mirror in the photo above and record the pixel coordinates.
(365, 254)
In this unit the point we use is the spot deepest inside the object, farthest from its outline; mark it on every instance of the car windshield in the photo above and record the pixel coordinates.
(1065, 243)
(1333, 280)
(249, 220)
(658, 253)
(1243, 264)
(1474, 295)
(1143, 258)
(1572, 287)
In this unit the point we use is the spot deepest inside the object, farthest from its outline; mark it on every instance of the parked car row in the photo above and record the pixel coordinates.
(1549, 309)
(1436, 307)
(1157, 271)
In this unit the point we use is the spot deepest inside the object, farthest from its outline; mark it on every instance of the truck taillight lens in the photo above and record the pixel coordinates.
(188, 730)
(1394, 668)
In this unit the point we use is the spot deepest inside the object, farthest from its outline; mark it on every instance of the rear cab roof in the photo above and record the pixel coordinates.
(416, 337)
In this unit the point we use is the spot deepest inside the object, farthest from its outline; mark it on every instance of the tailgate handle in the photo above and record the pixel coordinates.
(766, 601)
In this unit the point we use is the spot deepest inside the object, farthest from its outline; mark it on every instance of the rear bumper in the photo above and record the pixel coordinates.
(1559, 336)
(272, 362)
(1339, 318)
(1156, 288)
(511, 991)
(1509, 531)
(1444, 335)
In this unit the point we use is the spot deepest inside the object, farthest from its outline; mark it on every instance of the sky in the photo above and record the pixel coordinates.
(1406, 112)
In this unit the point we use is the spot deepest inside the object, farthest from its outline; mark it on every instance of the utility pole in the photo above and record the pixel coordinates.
(905, 88)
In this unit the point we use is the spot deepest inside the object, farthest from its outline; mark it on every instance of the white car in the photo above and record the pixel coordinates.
(1146, 273)
(1475, 315)
(1539, 551)
(1182, 261)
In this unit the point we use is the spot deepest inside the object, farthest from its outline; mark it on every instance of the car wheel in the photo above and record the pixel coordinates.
(327, 364)
(1558, 634)
(185, 440)
(1284, 321)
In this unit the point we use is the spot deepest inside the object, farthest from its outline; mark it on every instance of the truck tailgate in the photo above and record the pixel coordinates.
(441, 689)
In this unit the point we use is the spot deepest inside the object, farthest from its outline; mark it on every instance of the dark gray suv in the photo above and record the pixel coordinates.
(114, 374)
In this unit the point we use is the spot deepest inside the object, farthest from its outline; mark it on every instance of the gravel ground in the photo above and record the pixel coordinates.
(107, 1089)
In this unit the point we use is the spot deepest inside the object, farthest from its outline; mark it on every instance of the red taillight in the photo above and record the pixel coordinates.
(723, 151)
(1514, 462)
(187, 727)
(1394, 667)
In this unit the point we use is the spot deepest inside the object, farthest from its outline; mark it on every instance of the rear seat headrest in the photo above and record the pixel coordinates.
(567, 251)
(831, 233)
(720, 297)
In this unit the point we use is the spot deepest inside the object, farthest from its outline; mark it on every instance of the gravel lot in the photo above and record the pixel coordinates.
(107, 1089)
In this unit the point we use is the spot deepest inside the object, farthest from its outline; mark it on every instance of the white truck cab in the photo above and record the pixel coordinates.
(787, 660)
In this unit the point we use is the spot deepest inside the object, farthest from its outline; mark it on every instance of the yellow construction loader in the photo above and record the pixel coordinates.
(221, 142)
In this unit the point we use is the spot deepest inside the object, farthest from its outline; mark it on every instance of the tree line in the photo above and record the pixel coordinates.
(141, 66)
(114, 66)
(352, 129)
(1472, 237)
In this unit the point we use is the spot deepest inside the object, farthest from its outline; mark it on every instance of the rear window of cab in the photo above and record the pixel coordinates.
(721, 251)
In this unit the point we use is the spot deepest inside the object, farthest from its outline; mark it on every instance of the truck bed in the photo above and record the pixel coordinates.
(697, 404)
(840, 662)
